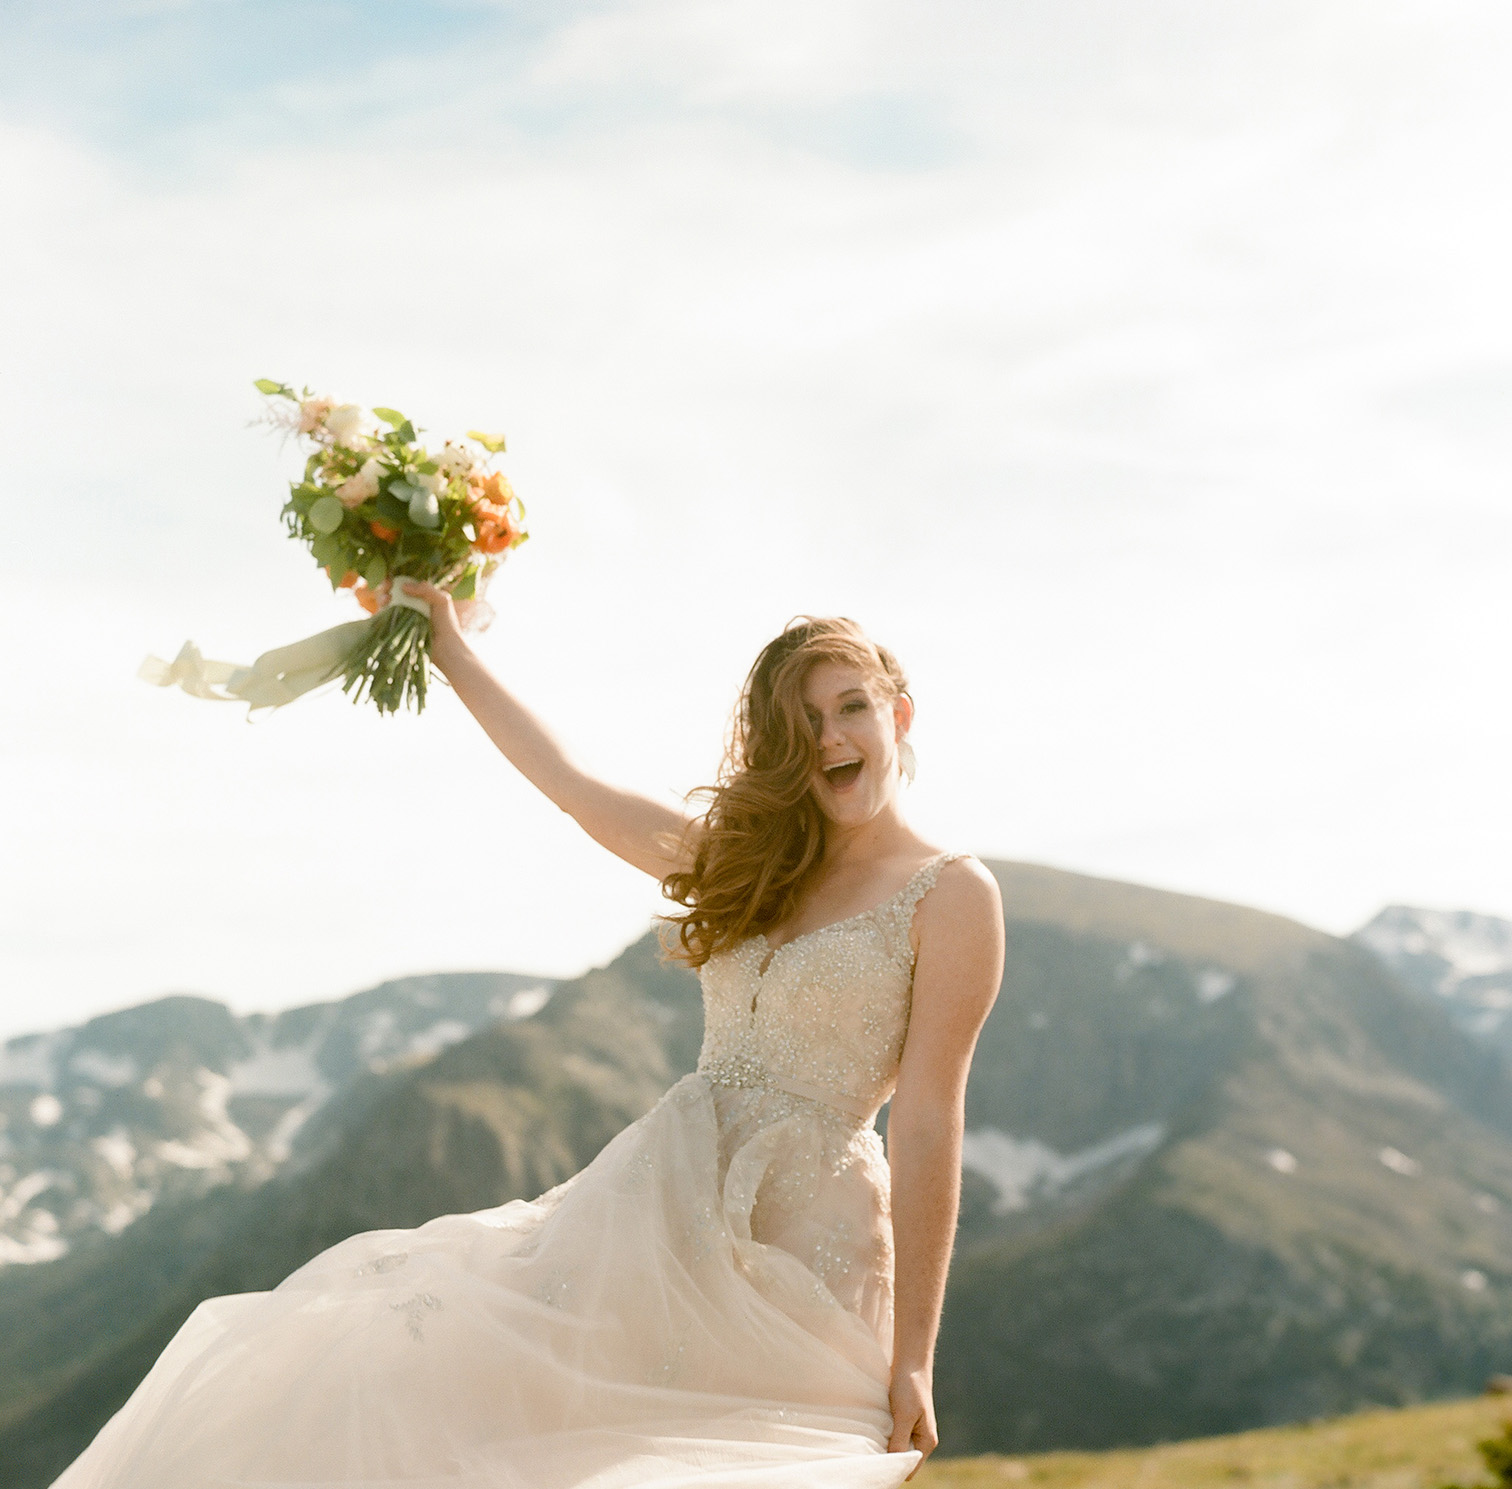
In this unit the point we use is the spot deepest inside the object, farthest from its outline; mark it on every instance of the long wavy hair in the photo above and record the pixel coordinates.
(762, 834)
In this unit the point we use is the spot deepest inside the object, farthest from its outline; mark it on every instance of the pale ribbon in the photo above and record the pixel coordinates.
(280, 676)
(852, 1104)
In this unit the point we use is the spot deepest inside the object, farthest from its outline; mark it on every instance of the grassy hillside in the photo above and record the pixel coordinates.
(1419, 1448)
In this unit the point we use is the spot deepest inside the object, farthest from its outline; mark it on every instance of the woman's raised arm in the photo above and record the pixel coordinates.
(652, 837)
(956, 977)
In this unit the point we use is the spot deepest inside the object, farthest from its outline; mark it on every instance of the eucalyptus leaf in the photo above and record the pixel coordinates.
(376, 572)
(390, 416)
(406, 431)
(424, 509)
(466, 587)
(326, 514)
(326, 549)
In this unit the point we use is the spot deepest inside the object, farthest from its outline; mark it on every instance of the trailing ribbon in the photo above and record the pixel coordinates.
(288, 672)
(275, 678)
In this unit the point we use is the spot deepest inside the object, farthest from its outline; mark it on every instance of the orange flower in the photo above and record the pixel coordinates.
(368, 599)
(384, 531)
(495, 489)
(347, 580)
(495, 531)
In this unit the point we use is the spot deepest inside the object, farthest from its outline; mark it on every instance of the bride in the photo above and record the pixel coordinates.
(741, 1289)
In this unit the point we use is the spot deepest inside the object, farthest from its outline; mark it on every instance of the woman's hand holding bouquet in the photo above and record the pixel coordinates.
(375, 507)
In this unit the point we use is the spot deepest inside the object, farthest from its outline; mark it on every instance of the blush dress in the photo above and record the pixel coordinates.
(709, 1302)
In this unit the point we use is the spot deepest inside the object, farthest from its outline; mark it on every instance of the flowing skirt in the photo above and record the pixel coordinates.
(628, 1328)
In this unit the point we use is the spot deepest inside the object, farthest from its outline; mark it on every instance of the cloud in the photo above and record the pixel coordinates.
(1118, 368)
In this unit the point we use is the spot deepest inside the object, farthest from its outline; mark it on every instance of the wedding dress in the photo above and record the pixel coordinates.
(709, 1302)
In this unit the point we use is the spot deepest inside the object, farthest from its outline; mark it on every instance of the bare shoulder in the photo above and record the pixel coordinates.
(965, 897)
(962, 913)
(959, 940)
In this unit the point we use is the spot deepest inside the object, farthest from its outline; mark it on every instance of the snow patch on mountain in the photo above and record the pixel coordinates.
(288, 1071)
(31, 1060)
(1457, 955)
(1452, 951)
(1024, 1170)
(108, 1070)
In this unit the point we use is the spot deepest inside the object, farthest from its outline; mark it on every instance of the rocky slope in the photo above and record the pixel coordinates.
(171, 1099)
(1454, 955)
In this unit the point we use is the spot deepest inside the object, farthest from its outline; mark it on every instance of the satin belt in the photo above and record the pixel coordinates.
(838, 1099)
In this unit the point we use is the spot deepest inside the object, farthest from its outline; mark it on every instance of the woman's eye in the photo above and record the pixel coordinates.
(854, 706)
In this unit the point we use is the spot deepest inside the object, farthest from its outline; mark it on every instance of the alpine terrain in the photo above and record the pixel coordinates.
(1221, 1171)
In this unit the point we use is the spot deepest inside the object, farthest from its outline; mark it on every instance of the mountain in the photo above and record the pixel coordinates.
(166, 1101)
(1458, 956)
(1221, 1170)
(1236, 1173)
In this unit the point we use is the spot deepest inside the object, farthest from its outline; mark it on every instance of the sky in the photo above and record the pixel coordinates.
(1139, 374)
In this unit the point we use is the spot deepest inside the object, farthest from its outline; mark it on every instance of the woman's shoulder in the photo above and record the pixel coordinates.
(961, 893)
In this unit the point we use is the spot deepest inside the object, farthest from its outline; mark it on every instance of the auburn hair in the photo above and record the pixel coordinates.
(758, 842)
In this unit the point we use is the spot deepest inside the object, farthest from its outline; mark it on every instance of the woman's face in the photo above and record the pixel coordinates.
(857, 728)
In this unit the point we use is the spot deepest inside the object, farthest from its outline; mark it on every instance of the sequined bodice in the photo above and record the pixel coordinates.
(827, 1017)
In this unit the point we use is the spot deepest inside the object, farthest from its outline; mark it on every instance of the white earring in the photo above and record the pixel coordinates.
(908, 762)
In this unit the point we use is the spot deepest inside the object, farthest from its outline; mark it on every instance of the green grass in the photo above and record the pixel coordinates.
(1420, 1447)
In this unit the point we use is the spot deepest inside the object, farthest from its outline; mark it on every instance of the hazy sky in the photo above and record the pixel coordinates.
(1140, 373)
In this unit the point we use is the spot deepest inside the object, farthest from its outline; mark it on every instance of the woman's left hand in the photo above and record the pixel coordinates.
(913, 1414)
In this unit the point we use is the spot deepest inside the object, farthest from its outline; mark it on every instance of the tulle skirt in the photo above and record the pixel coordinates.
(628, 1328)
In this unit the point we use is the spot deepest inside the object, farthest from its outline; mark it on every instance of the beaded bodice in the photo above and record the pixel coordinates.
(827, 1017)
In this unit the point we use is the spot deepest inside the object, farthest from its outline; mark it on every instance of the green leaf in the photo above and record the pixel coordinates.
(326, 549)
(390, 416)
(274, 390)
(405, 431)
(326, 514)
(391, 509)
(427, 467)
(493, 443)
(376, 571)
(466, 587)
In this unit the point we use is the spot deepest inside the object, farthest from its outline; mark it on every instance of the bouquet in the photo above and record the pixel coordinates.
(375, 506)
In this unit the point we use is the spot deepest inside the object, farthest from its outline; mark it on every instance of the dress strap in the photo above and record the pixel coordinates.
(921, 883)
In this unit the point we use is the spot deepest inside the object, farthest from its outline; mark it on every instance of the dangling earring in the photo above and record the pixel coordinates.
(908, 762)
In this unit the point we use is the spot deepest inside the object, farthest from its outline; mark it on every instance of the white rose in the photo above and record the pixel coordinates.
(434, 482)
(454, 460)
(344, 425)
(361, 487)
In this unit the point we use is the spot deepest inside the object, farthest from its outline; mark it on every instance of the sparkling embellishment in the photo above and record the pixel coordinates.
(414, 1310)
(831, 1009)
(670, 1370)
(553, 1292)
(830, 1013)
(390, 1261)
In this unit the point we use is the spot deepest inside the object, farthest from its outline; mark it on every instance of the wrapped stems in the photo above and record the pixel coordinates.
(392, 665)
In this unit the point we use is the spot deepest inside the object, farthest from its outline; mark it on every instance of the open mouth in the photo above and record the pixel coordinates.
(842, 775)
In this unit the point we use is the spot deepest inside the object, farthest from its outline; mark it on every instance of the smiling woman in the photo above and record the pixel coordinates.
(821, 702)
(743, 1288)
